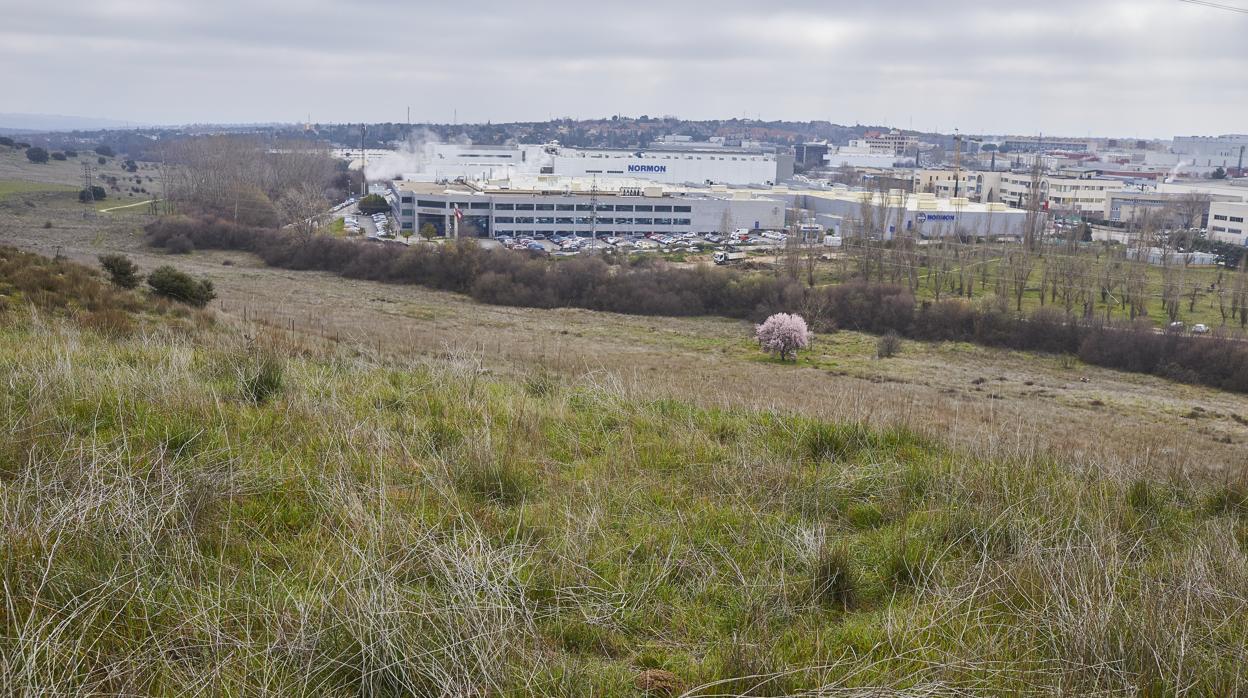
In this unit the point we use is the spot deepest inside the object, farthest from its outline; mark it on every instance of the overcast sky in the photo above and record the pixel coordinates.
(1070, 67)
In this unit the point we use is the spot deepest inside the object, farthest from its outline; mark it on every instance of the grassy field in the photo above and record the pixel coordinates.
(191, 503)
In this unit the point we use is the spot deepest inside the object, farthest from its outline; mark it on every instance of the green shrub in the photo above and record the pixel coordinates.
(179, 286)
(93, 193)
(374, 203)
(121, 270)
(37, 155)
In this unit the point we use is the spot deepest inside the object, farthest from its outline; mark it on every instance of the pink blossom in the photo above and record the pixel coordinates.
(783, 334)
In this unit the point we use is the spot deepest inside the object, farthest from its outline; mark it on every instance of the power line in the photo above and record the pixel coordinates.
(1217, 6)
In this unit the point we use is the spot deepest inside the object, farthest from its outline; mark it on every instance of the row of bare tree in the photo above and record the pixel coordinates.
(251, 181)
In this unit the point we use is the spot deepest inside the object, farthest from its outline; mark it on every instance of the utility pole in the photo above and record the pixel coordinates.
(88, 180)
(593, 209)
(957, 162)
(363, 163)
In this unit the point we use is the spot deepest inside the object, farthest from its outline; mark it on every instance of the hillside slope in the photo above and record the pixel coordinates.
(189, 507)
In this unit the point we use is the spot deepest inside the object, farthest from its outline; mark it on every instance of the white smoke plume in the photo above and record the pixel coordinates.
(412, 156)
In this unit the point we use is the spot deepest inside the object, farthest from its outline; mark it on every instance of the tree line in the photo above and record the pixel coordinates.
(647, 286)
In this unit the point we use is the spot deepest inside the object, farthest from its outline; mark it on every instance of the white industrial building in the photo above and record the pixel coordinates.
(1226, 222)
(842, 211)
(552, 205)
(667, 162)
(860, 153)
(1204, 154)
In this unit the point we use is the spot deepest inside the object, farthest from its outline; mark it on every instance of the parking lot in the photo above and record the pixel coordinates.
(567, 245)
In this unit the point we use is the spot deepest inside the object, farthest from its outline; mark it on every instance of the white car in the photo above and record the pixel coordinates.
(1200, 328)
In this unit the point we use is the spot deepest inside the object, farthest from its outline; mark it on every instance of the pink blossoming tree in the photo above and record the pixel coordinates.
(783, 334)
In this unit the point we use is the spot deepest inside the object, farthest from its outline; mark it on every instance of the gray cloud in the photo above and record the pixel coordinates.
(1115, 67)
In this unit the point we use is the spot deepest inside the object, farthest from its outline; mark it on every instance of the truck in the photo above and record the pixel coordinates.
(723, 257)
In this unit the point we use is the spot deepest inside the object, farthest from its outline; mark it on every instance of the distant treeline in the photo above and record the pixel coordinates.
(646, 286)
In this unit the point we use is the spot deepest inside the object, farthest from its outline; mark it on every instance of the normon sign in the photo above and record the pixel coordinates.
(935, 217)
(658, 169)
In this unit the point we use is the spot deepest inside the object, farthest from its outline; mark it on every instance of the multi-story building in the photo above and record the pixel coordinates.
(1076, 195)
(976, 185)
(675, 162)
(894, 142)
(1039, 145)
(1226, 222)
(550, 205)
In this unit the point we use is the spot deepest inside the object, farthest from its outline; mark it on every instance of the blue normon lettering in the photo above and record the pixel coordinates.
(647, 168)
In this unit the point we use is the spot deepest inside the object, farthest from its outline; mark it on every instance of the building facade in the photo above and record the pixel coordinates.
(1226, 222)
(897, 214)
(667, 163)
(1079, 196)
(1207, 153)
(573, 207)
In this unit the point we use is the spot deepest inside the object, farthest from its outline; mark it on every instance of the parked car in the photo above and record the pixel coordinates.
(1200, 328)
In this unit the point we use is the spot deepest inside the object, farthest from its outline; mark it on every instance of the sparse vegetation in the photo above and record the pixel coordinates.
(349, 524)
(888, 346)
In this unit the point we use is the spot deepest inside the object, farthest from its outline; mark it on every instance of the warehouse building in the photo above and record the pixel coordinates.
(586, 207)
(676, 163)
(897, 214)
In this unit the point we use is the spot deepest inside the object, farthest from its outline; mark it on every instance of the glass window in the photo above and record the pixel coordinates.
(1218, 217)
(431, 204)
(504, 207)
(623, 207)
(623, 221)
(662, 209)
(662, 221)
(606, 221)
(481, 204)
(564, 207)
(563, 221)
(584, 207)
(504, 219)
(682, 209)
(462, 204)
(1237, 219)
(605, 207)
(682, 221)
(407, 225)
(639, 208)
(407, 211)
(545, 220)
(545, 207)
(583, 221)
(644, 221)
(525, 220)
(406, 198)
(524, 207)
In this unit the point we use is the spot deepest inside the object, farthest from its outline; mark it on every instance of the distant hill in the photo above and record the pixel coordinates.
(38, 123)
